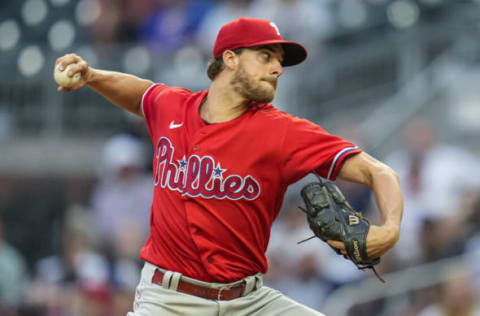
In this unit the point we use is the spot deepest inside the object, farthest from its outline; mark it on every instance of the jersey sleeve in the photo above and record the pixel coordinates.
(308, 147)
(154, 106)
(150, 99)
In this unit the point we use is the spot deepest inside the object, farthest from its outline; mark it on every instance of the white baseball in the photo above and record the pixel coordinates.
(63, 79)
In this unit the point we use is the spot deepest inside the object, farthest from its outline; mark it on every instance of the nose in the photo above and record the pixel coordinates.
(277, 69)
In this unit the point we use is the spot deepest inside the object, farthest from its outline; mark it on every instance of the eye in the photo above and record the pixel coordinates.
(266, 56)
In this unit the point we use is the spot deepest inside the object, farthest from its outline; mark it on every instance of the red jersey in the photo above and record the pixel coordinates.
(219, 187)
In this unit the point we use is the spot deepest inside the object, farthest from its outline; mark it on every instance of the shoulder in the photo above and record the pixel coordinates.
(269, 119)
(161, 94)
(160, 89)
(270, 112)
(279, 120)
(179, 95)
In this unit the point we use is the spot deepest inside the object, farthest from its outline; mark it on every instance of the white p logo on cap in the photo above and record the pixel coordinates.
(275, 27)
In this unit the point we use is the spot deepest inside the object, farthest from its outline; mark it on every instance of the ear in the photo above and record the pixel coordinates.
(230, 59)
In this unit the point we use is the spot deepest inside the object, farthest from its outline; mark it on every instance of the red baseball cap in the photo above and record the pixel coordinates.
(250, 32)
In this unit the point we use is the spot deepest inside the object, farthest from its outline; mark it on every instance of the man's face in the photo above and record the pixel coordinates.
(258, 70)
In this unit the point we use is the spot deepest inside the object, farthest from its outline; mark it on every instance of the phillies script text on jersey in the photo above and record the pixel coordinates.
(200, 176)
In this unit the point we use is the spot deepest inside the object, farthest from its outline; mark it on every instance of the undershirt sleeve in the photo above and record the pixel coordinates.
(308, 147)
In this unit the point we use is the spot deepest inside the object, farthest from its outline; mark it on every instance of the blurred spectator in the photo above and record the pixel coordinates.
(375, 307)
(456, 297)
(440, 238)
(287, 231)
(306, 286)
(105, 28)
(472, 219)
(332, 269)
(120, 209)
(313, 18)
(295, 270)
(173, 23)
(277, 277)
(121, 20)
(433, 177)
(121, 202)
(222, 13)
(472, 247)
(13, 277)
(133, 15)
(74, 281)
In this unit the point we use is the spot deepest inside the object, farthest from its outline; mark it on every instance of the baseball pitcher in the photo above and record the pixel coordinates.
(223, 159)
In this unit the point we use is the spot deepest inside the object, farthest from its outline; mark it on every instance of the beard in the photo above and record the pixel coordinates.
(244, 85)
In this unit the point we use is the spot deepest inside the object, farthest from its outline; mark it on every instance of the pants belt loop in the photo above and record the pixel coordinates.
(175, 280)
(166, 279)
(259, 281)
(250, 283)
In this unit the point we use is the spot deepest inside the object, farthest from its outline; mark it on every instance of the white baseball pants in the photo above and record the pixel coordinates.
(155, 300)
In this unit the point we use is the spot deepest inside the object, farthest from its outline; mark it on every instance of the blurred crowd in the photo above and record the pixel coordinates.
(94, 266)
(168, 25)
(83, 257)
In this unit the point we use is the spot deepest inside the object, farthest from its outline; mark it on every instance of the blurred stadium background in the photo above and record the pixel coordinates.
(398, 77)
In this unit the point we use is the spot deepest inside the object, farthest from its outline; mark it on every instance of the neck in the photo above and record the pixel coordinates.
(222, 103)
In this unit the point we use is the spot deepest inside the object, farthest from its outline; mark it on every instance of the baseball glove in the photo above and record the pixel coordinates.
(331, 217)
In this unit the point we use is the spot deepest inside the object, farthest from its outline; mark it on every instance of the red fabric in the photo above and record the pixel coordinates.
(249, 32)
(219, 187)
(203, 291)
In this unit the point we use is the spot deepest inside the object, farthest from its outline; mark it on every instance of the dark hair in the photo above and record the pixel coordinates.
(215, 66)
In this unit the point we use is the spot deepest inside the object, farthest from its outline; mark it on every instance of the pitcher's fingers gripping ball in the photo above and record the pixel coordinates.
(331, 217)
(71, 72)
(63, 78)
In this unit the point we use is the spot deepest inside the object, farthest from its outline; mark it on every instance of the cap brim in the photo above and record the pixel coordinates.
(295, 52)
